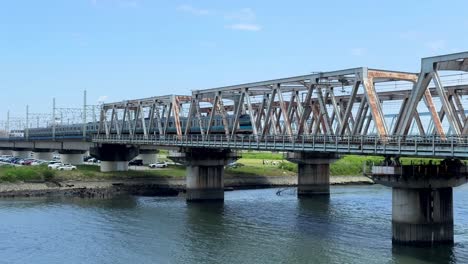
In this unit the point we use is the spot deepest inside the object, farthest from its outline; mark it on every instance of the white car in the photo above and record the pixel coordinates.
(158, 165)
(54, 165)
(66, 167)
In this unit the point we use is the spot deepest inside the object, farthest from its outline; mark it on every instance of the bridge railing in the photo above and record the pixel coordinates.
(432, 145)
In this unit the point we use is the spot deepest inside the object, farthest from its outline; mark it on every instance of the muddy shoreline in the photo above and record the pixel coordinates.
(150, 187)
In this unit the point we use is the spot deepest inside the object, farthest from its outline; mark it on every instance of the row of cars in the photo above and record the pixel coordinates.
(139, 162)
(21, 161)
(55, 164)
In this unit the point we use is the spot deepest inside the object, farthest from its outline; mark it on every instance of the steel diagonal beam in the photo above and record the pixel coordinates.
(461, 109)
(290, 106)
(318, 120)
(359, 117)
(159, 121)
(305, 113)
(287, 122)
(419, 124)
(266, 126)
(112, 119)
(445, 103)
(124, 118)
(189, 117)
(252, 119)
(343, 112)
(167, 112)
(368, 121)
(465, 128)
(365, 120)
(198, 113)
(238, 112)
(143, 123)
(260, 113)
(176, 113)
(336, 109)
(277, 114)
(212, 114)
(404, 102)
(117, 126)
(325, 119)
(135, 119)
(349, 108)
(375, 107)
(456, 115)
(151, 117)
(436, 118)
(222, 110)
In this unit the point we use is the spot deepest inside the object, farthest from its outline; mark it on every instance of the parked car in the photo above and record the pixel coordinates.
(66, 167)
(137, 162)
(158, 165)
(37, 162)
(54, 165)
(27, 161)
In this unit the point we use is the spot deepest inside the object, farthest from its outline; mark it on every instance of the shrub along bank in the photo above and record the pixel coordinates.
(251, 164)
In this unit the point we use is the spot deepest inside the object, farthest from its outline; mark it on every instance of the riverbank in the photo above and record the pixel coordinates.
(163, 186)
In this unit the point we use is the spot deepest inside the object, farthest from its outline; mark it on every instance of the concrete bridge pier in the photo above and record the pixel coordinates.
(205, 172)
(114, 157)
(313, 177)
(43, 154)
(74, 157)
(22, 153)
(422, 216)
(148, 156)
(422, 200)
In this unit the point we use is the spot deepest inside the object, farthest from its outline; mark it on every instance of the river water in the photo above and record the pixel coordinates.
(252, 226)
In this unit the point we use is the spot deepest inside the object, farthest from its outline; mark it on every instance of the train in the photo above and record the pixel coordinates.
(76, 130)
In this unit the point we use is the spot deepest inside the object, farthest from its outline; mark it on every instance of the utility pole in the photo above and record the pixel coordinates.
(7, 127)
(27, 123)
(84, 114)
(53, 119)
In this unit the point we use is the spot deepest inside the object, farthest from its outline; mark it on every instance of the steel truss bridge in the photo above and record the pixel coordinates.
(341, 111)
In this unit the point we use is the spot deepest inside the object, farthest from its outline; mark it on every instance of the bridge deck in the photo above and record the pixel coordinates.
(429, 146)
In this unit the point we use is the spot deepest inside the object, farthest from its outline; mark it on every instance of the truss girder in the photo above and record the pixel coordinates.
(345, 102)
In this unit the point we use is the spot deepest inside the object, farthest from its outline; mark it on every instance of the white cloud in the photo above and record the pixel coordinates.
(245, 20)
(193, 10)
(102, 98)
(358, 51)
(436, 45)
(245, 14)
(245, 27)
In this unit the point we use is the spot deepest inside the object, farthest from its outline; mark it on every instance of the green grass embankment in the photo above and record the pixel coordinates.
(251, 164)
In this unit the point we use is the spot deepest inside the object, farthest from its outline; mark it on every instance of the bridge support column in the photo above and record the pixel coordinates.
(205, 173)
(313, 176)
(43, 154)
(74, 157)
(22, 153)
(114, 157)
(422, 200)
(422, 216)
(148, 156)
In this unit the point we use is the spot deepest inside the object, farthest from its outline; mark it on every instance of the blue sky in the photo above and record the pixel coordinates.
(123, 49)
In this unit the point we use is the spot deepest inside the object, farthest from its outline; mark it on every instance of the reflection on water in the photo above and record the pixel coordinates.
(353, 225)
